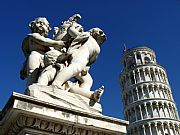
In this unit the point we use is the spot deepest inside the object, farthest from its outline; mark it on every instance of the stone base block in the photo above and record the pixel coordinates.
(63, 98)
(26, 115)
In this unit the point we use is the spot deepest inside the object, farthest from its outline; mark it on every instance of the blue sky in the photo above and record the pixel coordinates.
(151, 23)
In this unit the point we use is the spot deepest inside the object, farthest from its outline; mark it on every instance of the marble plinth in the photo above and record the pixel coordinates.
(27, 115)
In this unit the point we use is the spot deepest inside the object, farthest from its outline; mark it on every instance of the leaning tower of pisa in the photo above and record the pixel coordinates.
(147, 97)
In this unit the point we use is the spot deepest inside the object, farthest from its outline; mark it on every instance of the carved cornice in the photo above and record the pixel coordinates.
(153, 121)
(126, 90)
(155, 66)
(49, 126)
(28, 115)
(150, 100)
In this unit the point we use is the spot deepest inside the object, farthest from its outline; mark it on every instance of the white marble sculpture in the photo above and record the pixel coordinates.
(53, 62)
(34, 46)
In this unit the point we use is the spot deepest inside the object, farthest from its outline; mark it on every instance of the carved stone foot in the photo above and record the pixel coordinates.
(96, 96)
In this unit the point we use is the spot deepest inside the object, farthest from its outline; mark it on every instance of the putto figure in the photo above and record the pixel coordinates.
(34, 46)
(54, 62)
(83, 51)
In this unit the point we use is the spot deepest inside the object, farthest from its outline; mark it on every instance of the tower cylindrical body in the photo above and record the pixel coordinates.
(147, 97)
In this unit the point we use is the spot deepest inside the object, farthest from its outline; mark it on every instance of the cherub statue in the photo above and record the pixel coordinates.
(34, 47)
(82, 52)
(56, 58)
(68, 55)
(81, 86)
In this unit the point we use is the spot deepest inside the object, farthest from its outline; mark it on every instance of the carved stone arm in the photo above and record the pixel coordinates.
(74, 32)
(46, 41)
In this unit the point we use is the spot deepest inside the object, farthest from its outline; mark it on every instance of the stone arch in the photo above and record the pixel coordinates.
(151, 91)
(166, 110)
(156, 91)
(152, 74)
(155, 109)
(161, 109)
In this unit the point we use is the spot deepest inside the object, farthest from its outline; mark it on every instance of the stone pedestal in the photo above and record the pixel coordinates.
(27, 115)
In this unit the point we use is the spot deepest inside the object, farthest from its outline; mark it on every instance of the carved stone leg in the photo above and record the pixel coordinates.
(47, 75)
(96, 96)
(67, 73)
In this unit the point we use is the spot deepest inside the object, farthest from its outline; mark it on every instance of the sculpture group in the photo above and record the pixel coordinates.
(64, 61)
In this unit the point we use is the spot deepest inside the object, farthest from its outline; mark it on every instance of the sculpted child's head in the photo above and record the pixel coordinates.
(40, 25)
(98, 35)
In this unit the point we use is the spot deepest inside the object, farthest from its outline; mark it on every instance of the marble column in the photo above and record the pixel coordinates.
(150, 128)
(141, 112)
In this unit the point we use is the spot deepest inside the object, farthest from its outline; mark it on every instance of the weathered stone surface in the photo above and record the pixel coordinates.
(26, 115)
(63, 98)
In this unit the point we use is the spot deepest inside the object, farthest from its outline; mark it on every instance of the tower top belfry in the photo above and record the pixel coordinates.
(138, 56)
